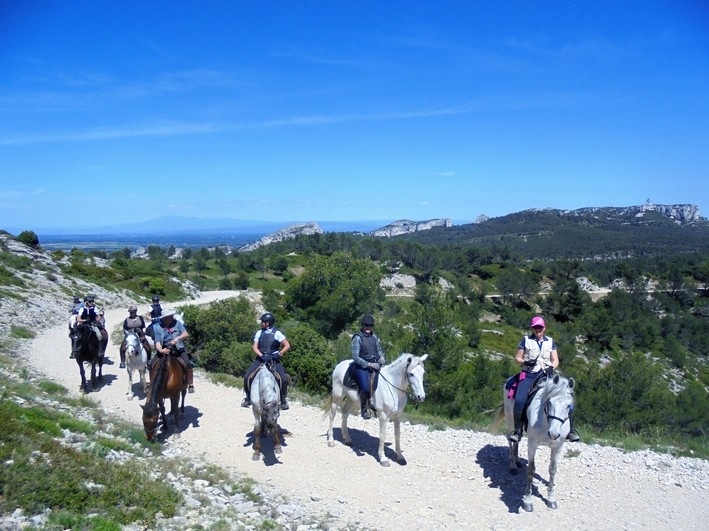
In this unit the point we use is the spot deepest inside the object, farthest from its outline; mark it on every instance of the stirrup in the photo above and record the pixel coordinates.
(515, 436)
(246, 402)
(284, 405)
(573, 437)
(366, 415)
(190, 388)
(72, 356)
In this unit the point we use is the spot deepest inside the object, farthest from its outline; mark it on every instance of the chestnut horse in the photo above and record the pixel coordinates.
(167, 380)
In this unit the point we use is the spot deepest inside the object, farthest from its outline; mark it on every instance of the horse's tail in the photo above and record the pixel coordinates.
(327, 407)
(499, 412)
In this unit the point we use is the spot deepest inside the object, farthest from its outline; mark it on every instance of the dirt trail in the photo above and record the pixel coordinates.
(453, 479)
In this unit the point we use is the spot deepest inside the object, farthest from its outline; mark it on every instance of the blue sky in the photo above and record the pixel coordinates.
(114, 112)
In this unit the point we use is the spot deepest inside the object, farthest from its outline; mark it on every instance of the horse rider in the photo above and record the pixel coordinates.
(74, 310)
(270, 344)
(133, 323)
(155, 311)
(94, 318)
(172, 334)
(538, 356)
(76, 306)
(368, 357)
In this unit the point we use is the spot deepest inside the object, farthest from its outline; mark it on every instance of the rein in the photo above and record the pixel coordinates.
(408, 381)
(554, 417)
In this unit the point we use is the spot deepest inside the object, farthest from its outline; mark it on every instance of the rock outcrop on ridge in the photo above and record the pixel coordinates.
(284, 234)
(405, 226)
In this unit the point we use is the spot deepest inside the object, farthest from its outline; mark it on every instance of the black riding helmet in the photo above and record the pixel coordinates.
(268, 318)
(156, 299)
(77, 300)
(89, 298)
(367, 320)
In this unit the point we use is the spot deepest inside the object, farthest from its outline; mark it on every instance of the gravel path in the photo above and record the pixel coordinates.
(454, 479)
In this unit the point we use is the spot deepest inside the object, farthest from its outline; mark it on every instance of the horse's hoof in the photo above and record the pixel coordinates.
(278, 450)
(528, 507)
(256, 457)
(348, 443)
(385, 463)
(552, 505)
(402, 461)
(130, 397)
(331, 443)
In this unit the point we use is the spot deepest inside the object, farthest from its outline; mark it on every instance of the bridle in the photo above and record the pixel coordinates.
(551, 417)
(408, 380)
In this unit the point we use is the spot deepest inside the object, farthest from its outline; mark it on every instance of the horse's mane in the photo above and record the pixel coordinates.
(558, 390)
(401, 360)
(158, 384)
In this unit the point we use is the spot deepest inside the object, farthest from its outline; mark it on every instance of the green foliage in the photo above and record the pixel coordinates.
(21, 332)
(221, 334)
(334, 291)
(28, 237)
(628, 395)
(310, 360)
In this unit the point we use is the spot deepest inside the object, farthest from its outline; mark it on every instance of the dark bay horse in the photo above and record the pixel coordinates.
(167, 380)
(86, 348)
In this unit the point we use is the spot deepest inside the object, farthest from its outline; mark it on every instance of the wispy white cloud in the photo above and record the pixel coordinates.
(17, 194)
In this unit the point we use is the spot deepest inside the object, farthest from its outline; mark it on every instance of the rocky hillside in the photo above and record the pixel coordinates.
(613, 232)
(36, 293)
(287, 233)
(405, 226)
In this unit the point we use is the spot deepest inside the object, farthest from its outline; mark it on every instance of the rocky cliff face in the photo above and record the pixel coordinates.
(290, 232)
(405, 226)
(681, 214)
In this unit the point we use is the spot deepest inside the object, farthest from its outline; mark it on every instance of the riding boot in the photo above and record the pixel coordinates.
(190, 380)
(364, 405)
(123, 359)
(516, 435)
(284, 391)
(573, 435)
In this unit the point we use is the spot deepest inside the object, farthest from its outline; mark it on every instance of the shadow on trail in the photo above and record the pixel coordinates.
(365, 444)
(493, 461)
(270, 457)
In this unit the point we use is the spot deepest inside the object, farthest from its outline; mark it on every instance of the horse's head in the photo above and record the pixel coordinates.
(414, 374)
(132, 344)
(558, 403)
(151, 415)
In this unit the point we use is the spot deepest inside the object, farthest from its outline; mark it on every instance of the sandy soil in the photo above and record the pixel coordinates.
(453, 480)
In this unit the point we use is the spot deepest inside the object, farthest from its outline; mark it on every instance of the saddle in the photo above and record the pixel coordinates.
(511, 386)
(177, 357)
(349, 381)
(275, 373)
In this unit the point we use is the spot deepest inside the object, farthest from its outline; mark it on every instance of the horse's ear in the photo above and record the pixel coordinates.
(556, 379)
(423, 358)
(572, 383)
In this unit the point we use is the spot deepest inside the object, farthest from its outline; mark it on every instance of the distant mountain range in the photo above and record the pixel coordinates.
(584, 233)
(167, 225)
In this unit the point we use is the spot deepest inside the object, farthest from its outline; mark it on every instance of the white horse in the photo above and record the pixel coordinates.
(266, 406)
(388, 400)
(547, 425)
(136, 360)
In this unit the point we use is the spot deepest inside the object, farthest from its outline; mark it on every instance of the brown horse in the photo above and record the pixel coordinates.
(167, 380)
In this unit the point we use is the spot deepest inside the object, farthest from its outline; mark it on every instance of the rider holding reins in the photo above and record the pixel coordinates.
(269, 345)
(368, 356)
(537, 353)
